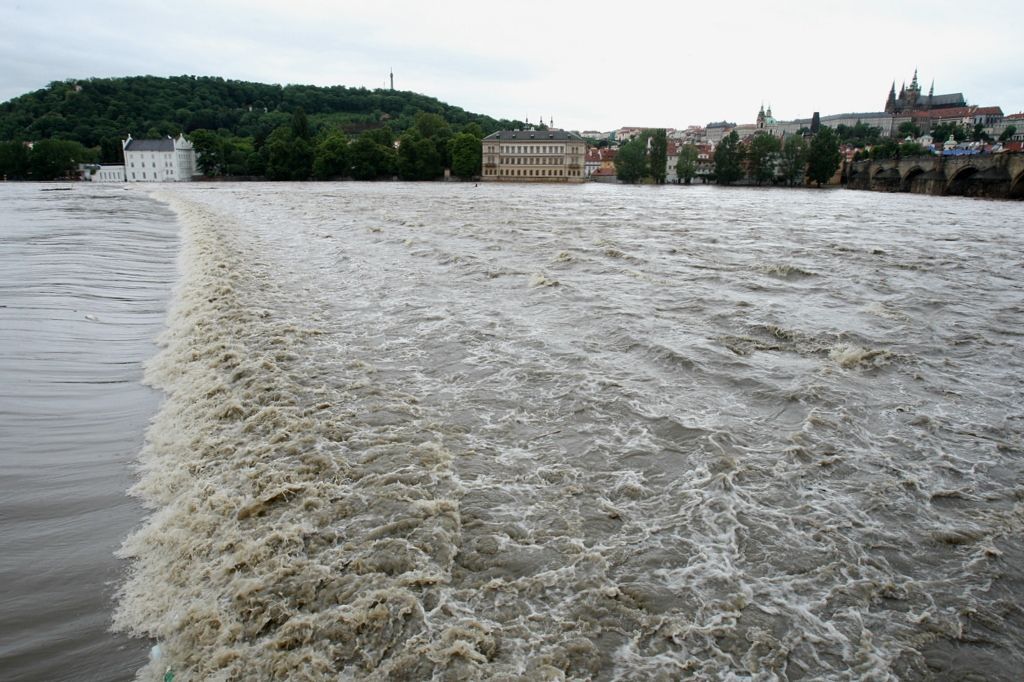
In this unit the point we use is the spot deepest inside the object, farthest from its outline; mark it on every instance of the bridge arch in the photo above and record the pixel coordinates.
(908, 178)
(1017, 186)
(886, 178)
(962, 182)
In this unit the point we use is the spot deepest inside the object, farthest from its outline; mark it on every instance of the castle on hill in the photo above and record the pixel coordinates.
(910, 98)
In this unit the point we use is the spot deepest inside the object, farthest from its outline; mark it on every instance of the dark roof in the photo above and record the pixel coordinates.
(164, 145)
(953, 99)
(534, 135)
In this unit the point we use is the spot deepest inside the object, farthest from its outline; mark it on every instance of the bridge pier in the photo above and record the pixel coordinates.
(931, 182)
(993, 176)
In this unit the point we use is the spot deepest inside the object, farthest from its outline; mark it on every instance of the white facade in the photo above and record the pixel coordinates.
(105, 173)
(164, 160)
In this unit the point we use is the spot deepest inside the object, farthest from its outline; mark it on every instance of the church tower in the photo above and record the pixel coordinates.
(890, 102)
(913, 92)
(760, 118)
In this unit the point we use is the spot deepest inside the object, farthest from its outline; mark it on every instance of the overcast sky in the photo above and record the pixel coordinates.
(590, 65)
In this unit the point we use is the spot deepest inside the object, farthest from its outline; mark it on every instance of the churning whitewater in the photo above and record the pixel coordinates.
(610, 433)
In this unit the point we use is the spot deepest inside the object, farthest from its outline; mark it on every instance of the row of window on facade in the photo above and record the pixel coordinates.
(526, 160)
(529, 149)
(167, 174)
(539, 172)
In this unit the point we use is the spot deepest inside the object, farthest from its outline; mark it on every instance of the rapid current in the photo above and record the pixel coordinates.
(514, 432)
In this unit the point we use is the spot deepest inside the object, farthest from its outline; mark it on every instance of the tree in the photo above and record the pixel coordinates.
(762, 155)
(330, 158)
(369, 159)
(686, 166)
(908, 129)
(433, 127)
(727, 160)
(823, 157)
(943, 131)
(288, 157)
(14, 161)
(53, 159)
(631, 161)
(418, 158)
(473, 128)
(886, 149)
(210, 156)
(1008, 133)
(300, 124)
(912, 149)
(658, 155)
(793, 163)
(467, 155)
(859, 135)
(979, 134)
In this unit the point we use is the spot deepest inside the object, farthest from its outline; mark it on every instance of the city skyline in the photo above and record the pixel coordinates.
(590, 68)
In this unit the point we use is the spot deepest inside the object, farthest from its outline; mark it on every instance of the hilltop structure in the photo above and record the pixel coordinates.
(534, 156)
(910, 99)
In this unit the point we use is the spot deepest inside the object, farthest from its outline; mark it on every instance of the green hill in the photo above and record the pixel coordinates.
(100, 112)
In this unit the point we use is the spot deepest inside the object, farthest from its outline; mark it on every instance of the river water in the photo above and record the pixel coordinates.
(85, 276)
(416, 431)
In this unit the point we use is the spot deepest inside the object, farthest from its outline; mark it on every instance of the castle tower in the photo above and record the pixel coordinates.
(913, 92)
(890, 102)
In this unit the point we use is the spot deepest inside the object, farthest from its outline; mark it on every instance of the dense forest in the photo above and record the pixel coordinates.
(241, 128)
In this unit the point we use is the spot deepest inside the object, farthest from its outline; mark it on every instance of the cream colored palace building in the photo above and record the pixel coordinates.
(533, 156)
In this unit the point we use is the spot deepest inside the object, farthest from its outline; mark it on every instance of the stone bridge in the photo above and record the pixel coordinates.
(998, 176)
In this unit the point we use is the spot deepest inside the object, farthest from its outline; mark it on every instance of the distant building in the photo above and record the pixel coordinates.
(163, 160)
(534, 156)
(671, 160)
(103, 173)
(705, 161)
(910, 99)
(765, 120)
(714, 132)
(592, 161)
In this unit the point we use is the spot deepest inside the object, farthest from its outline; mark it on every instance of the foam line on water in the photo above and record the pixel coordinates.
(285, 538)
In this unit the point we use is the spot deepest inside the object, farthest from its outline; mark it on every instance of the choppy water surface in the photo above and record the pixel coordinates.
(507, 432)
(85, 274)
(531, 433)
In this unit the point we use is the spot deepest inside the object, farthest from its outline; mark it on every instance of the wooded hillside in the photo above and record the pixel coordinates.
(100, 112)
